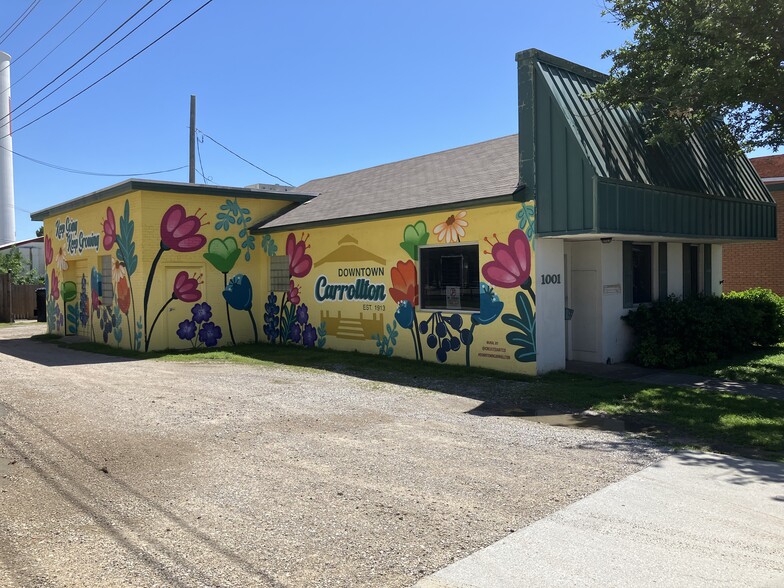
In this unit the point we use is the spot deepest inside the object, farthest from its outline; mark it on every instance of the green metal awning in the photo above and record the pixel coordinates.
(589, 169)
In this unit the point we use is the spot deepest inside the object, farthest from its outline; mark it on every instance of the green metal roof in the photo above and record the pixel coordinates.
(590, 170)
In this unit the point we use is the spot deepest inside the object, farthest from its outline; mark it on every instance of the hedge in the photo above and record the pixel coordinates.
(680, 332)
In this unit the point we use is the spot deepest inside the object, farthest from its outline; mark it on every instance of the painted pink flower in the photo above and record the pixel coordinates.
(54, 286)
(181, 232)
(109, 230)
(511, 265)
(48, 251)
(300, 262)
(293, 293)
(186, 288)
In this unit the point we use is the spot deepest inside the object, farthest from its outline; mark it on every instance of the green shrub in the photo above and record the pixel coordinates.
(675, 332)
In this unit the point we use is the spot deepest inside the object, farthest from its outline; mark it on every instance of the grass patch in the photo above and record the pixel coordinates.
(704, 419)
(764, 366)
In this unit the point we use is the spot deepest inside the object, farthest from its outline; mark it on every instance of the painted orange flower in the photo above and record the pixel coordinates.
(124, 294)
(452, 228)
(404, 282)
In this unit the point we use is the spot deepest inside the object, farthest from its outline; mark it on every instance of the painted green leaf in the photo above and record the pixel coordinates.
(69, 291)
(414, 236)
(126, 248)
(525, 335)
(223, 254)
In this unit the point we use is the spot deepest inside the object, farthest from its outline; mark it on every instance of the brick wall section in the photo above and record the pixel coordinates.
(761, 263)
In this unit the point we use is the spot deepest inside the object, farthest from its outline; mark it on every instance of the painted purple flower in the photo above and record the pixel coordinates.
(309, 336)
(187, 330)
(295, 332)
(302, 314)
(201, 312)
(209, 334)
(180, 231)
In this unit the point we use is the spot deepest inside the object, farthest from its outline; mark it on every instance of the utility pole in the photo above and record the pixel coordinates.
(192, 160)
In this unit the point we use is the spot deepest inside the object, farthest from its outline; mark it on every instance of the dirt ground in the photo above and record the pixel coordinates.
(118, 472)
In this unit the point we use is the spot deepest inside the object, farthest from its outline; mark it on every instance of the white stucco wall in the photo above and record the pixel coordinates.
(550, 327)
(675, 268)
(716, 269)
(616, 336)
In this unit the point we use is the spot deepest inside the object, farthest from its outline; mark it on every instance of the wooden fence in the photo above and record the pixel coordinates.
(17, 301)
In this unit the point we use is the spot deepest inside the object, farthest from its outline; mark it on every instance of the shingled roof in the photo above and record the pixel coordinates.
(471, 173)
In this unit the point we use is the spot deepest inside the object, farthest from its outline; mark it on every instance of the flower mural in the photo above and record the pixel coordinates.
(452, 229)
(511, 264)
(109, 230)
(300, 262)
(490, 308)
(231, 213)
(223, 254)
(404, 282)
(414, 236)
(179, 232)
(185, 289)
(200, 330)
(54, 286)
(289, 321)
(48, 251)
(124, 295)
(60, 261)
(238, 294)
(511, 268)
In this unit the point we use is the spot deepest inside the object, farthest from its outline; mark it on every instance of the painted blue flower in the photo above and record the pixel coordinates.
(239, 292)
(309, 336)
(295, 332)
(405, 314)
(270, 307)
(201, 313)
(209, 333)
(302, 314)
(490, 306)
(187, 330)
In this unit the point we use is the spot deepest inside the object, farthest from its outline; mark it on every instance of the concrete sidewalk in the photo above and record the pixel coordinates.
(633, 373)
(692, 519)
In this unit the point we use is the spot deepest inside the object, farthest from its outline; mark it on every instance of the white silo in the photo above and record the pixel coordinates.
(7, 221)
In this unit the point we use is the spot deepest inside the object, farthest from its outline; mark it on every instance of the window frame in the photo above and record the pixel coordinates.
(422, 283)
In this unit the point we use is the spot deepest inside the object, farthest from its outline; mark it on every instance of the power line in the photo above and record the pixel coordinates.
(128, 34)
(74, 64)
(131, 58)
(28, 11)
(42, 37)
(90, 173)
(56, 47)
(243, 159)
(201, 165)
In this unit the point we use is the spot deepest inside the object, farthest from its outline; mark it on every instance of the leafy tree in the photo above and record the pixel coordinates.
(15, 264)
(39, 232)
(691, 61)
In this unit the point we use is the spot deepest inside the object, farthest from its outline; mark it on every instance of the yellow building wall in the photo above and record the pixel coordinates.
(371, 269)
(183, 270)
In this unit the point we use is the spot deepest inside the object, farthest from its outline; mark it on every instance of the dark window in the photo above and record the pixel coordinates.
(692, 287)
(642, 272)
(449, 277)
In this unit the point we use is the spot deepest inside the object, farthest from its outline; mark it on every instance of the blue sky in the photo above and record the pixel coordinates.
(302, 89)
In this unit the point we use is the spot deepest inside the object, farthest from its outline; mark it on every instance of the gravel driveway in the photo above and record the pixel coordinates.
(148, 473)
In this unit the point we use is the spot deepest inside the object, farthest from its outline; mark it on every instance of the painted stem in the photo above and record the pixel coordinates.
(133, 306)
(418, 337)
(228, 312)
(414, 337)
(468, 347)
(283, 299)
(130, 341)
(157, 316)
(527, 287)
(147, 291)
(255, 330)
